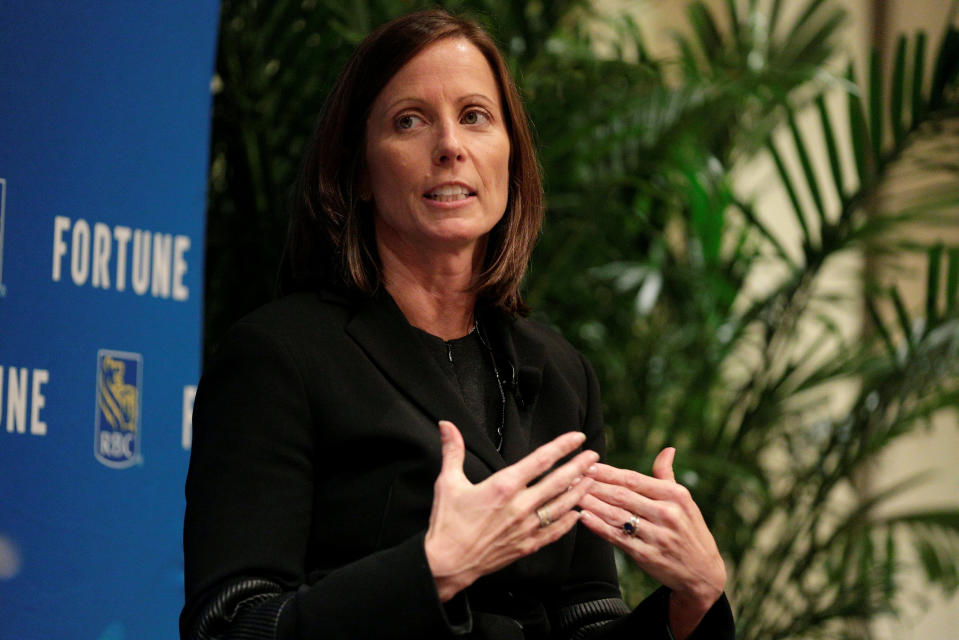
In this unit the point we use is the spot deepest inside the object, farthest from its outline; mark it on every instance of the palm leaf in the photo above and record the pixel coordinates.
(898, 96)
(859, 132)
(918, 74)
(829, 136)
(952, 283)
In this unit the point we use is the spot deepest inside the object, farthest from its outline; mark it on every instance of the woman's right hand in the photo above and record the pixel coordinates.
(477, 529)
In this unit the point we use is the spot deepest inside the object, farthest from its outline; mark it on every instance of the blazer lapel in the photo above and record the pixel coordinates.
(382, 331)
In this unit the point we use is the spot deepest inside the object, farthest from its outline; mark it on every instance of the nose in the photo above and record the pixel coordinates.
(448, 149)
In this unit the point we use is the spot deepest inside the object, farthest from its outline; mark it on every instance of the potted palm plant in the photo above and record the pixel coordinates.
(649, 258)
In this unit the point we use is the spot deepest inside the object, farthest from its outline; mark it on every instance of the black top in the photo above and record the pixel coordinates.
(469, 364)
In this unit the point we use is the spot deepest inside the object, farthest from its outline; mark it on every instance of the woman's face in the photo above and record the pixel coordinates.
(437, 151)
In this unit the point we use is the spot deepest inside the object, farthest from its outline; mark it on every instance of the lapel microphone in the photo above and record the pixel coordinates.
(523, 383)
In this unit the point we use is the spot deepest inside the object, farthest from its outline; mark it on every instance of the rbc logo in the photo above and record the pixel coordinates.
(117, 435)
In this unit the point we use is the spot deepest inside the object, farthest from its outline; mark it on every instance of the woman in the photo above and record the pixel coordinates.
(390, 452)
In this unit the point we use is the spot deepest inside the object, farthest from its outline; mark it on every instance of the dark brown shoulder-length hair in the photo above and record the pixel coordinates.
(330, 236)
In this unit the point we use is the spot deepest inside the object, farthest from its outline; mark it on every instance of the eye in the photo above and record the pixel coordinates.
(407, 121)
(475, 116)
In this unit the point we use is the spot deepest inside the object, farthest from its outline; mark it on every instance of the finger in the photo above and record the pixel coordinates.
(612, 515)
(663, 464)
(557, 507)
(609, 532)
(453, 448)
(616, 517)
(654, 488)
(677, 513)
(668, 511)
(558, 528)
(537, 538)
(618, 496)
(633, 546)
(539, 461)
(561, 479)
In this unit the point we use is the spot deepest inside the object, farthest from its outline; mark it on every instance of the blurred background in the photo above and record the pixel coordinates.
(752, 233)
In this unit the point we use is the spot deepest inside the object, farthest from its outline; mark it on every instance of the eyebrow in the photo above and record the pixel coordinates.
(461, 99)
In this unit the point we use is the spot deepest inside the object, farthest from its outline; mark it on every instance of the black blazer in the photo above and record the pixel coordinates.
(315, 449)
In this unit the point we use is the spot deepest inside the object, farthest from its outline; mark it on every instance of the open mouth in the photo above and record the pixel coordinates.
(449, 193)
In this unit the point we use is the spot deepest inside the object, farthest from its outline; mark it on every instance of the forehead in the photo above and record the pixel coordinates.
(453, 67)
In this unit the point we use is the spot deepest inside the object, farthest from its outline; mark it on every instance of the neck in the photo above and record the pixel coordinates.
(433, 289)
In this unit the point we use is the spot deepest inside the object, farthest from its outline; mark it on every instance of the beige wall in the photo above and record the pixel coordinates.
(869, 24)
(930, 616)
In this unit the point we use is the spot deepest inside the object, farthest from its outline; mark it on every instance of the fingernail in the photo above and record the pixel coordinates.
(592, 469)
(575, 482)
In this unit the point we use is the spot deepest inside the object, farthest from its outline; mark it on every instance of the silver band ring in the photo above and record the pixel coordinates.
(629, 527)
(543, 516)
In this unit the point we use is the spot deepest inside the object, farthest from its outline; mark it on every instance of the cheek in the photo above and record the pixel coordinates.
(393, 170)
(502, 169)
(384, 173)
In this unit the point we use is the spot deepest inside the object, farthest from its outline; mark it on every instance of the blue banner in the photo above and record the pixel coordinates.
(104, 133)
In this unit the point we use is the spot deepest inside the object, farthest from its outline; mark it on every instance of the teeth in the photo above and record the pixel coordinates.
(448, 193)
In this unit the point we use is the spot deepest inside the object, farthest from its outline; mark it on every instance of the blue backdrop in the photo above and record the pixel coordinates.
(104, 128)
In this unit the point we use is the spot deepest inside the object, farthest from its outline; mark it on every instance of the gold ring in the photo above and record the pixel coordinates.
(543, 516)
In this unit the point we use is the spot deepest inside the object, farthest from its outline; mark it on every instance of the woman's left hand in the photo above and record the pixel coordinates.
(670, 540)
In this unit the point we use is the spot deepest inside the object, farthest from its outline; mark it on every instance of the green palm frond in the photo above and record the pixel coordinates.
(901, 384)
